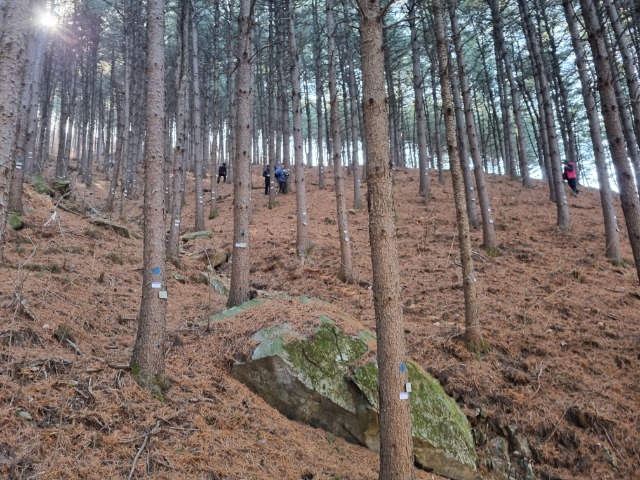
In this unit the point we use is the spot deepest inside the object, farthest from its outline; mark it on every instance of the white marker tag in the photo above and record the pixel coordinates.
(407, 387)
(404, 396)
(162, 294)
(241, 245)
(156, 285)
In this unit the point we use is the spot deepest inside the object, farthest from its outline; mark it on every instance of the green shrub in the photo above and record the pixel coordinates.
(15, 221)
(41, 186)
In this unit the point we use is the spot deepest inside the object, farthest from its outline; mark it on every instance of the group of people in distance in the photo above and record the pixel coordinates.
(569, 174)
(281, 177)
(281, 174)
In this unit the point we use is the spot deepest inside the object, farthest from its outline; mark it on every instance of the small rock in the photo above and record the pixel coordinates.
(24, 414)
(180, 278)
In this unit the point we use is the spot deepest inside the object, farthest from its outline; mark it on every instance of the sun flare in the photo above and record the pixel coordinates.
(48, 19)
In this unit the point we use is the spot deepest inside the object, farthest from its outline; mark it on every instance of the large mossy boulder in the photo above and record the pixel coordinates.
(329, 379)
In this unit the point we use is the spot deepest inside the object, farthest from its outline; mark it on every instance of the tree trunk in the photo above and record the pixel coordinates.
(612, 237)
(507, 133)
(182, 79)
(239, 291)
(489, 240)
(632, 73)
(613, 127)
(302, 224)
(197, 127)
(473, 336)
(436, 120)
(346, 261)
(13, 50)
(515, 94)
(95, 25)
(215, 161)
(317, 49)
(563, 219)
(353, 119)
(44, 136)
(22, 121)
(625, 116)
(66, 85)
(463, 154)
(562, 96)
(396, 450)
(147, 360)
(424, 188)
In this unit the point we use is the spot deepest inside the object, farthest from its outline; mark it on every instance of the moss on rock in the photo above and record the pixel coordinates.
(328, 380)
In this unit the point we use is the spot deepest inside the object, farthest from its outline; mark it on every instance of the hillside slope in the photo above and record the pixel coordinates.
(562, 323)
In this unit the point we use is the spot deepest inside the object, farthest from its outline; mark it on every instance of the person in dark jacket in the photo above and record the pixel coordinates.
(266, 173)
(222, 172)
(570, 175)
(282, 181)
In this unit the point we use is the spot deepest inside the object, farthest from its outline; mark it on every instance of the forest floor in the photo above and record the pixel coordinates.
(562, 323)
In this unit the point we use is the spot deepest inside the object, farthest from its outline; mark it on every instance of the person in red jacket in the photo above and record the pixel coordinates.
(570, 176)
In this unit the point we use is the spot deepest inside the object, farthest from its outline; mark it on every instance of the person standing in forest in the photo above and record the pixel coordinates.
(570, 175)
(282, 181)
(222, 172)
(266, 173)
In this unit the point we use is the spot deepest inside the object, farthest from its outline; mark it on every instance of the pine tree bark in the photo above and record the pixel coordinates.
(317, 53)
(472, 334)
(424, 188)
(239, 291)
(613, 127)
(396, 455)
(632, 73)
(302, 223)
(215, 162)
(22, 120)
(612, 237)
(507, 133)
(44, 136)
(463, 152)
(147, 360)
(182, 79)
(489, 240)
(625, 116)
(66, 85)
(353, 119)
(13, 46)
(547, 117)
(346, 261)
(197, 118)
(498, 33)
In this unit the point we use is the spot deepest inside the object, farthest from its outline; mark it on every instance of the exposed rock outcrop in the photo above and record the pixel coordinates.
(329, 379)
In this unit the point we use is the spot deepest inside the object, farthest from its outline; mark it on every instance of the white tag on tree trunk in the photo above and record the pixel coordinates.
(241, 245)
(162, 294)
(156, 285)
(404, 396)
(407, 387)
